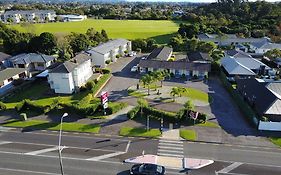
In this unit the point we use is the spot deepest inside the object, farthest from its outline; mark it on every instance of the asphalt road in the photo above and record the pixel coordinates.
(36, 153)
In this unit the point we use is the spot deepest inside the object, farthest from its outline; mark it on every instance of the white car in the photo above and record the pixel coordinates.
(134, 69)
(133, 53)
(143, 58)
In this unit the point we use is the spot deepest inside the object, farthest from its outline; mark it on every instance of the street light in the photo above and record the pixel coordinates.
(59, 148)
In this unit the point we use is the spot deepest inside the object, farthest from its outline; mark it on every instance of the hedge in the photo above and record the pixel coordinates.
(2, 106)
(27, 104)
(115, 107)
(133, 112)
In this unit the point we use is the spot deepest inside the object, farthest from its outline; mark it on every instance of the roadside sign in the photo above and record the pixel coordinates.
(105, 105)
(104, 97)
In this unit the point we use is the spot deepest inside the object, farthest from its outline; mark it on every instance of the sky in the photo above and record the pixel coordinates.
(194, 0)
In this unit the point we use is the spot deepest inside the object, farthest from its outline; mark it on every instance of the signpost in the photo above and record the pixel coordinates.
(104, 100)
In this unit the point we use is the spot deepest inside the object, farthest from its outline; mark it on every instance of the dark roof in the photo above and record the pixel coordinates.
(4, 56)
(161, 53)
(198, 56)
(31, 58)
(258, 92)
(10, 72)
(70, 65)
(178, 65)
(237, 53)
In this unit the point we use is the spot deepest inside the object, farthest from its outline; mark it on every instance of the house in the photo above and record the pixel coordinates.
(199, 57)
(229, 39)
(3, 58)
(31, 61)
(263, 47)
(70, 18)
(29, 15)
(69, 76)
(8, 75)
(109, 51)
(237, 63)
(159, 59)
(263, 97)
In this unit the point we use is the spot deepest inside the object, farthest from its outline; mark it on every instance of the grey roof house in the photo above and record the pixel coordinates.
(3, 58)
(31, 61)
(263, 97)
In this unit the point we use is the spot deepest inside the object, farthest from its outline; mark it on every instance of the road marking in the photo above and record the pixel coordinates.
(170, 155)
(4, 142)
(105, 156)
(178, 145)
(168, 147)
(170, 141)
(28, 171)
(172, 151)
(128, 145)
(258, 151)
(230, 167)
(43, 151)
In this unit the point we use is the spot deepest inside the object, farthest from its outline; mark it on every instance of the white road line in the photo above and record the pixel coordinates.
(43, 151)
(4, 142)
(257, 151)
(128, 145)
(170, 141)
(170, 155)
(28, 171)
(169, 147)
(105, 156)
(171, 151)
(177, 145)
(230, 167)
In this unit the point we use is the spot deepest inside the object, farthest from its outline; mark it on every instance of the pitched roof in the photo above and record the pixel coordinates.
(178, 65)
(10, 72)
(251, 63)
(12, 12)
(108, 46)
(4, 56)
(264, 98)
(237, 53)
(70, 65)
(235, 68)
(161, 53)
(206, 35)
(235, 40)
(198, 57)
(31, 58)
(271, 46)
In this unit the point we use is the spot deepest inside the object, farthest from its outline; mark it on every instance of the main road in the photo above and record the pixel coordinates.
(35, 152)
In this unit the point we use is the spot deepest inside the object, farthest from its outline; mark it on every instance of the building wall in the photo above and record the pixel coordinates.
(61, 82)
(99, 59)
(82, 73)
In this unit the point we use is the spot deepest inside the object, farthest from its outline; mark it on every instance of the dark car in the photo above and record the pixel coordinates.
(147, 169)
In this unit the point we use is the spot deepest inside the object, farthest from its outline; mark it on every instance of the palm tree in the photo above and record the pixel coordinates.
(182, 90)
(217, 54)
(174, 92)
(189, 105)
(147, 80)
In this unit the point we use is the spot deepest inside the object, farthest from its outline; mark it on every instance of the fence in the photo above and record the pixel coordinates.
(243, 106)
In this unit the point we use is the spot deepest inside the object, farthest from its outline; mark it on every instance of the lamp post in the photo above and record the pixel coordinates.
(59, 147)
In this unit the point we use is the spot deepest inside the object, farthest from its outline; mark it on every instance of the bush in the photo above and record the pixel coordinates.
(126, 52)
(158, 114)
(23, 116)
(107, 61)
(90, 85)
(83, 88)
(118, 56)
(202, 118)
(2, 106)
(18, 82)
(20, 106)
(105, 71)
(172, 74)
(138, 49)
(115, 107)
(133, 112)
(183, 76)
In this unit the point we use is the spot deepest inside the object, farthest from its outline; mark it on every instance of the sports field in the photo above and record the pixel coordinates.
(129, 29)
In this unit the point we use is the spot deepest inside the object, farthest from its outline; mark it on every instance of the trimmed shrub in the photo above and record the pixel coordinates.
(2, 106)
(20, 106)
(172, 74)
(133, 112)
(23, 116)
(90, 85)
(158, 114)
(83, 88)
(202, 118)
(118, 56)
(18, 82)
(107, 61)
(115, 107)
(105, 71)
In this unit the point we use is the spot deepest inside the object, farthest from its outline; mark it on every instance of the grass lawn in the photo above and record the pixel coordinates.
(41, 124)
(196, 95)
(188, 134)
(136, 93)
(139, 132)
(209, 124)
(276, 141)
(161, 30)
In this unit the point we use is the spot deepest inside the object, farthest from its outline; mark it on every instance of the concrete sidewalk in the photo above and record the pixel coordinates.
(173, 134)
(120, 115)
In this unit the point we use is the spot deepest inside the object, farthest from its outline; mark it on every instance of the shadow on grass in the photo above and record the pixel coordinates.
(41, 126)
(163, 39)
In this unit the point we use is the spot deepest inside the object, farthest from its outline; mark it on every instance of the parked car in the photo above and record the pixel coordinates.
(147, 169)
(133, 53)
(143, 58)
(134, 69)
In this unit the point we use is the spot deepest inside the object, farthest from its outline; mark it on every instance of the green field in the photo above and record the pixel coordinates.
(161, 30)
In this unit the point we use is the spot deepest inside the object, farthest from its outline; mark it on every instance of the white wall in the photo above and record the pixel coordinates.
(99, 59)
(270, 126)
(82, 73)
(61, 83)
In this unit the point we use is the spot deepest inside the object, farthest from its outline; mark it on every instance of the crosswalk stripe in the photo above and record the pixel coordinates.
(42, 151)
(105, 156)
(171, 144)
(170, 141)
(170, 155)
(171, 151)
(169, 147)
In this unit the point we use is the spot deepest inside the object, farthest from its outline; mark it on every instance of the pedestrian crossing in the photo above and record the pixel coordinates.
(170, 148)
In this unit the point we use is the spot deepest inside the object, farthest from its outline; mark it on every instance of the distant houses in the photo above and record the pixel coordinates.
(16, 16)
(70, 18)
(109, 51)
(69, 76)
(189, 66)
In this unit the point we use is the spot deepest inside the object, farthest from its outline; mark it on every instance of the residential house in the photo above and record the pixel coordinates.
(31, 61)
(159, 59)
(229, 39)
(29, 15)
(3, 58)
(263, 97)
(239, 64)
(69, 76)
(8, 75)
(262, 47)
(109, 51)
(199, 57)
